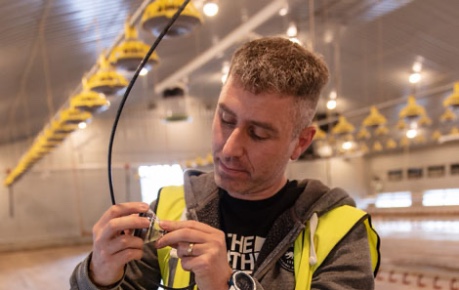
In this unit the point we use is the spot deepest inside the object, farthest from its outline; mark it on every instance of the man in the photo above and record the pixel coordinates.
(247, 226)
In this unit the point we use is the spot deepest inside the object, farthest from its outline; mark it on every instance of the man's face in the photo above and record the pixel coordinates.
(252, 141)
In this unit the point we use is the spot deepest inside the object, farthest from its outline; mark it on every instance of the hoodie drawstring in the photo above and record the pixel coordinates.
(312, 231)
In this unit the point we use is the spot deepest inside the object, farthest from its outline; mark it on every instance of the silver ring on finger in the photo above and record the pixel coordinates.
(189, 251)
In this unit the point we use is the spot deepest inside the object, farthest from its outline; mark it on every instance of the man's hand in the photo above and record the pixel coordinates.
(113, 243)
(202, 250)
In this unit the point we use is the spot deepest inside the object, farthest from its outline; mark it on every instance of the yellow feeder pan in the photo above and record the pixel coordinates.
(157, 15)
(420, 139)
(74, 116)
(343, 127)
(401, 125)
(62, 127)
(377, 147)
(454, 131)
(106, 80)
(405, 142)
(381, 131)
(448, 116)
(364, 148)
(436, 135)
(320, 134)
(90, 101)
(129, 54)
(412, 111)
(425, 121)
(391, 144)
(44, 142)
(453, 100)
(52, 136)
(375, 119)
(363, 134)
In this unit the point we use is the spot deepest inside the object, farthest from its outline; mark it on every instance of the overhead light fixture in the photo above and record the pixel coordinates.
(210, 8)
(143, 72)
(284, 10)
(332, 103)
(82, 125)
(411, 133)
(375, 119)
(452, 101)
(158, 13)
(292, 30)
(414, 78)
(130, 52)
(106, 80)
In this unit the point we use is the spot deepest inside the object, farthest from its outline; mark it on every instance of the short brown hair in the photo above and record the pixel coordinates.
(278, 65)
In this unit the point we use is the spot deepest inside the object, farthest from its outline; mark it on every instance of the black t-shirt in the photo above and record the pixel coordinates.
(246, 223)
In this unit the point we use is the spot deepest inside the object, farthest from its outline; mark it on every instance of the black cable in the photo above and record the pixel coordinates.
(128, 90)
(120, 109)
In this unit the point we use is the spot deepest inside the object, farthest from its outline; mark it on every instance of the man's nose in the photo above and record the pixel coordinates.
(234, 144)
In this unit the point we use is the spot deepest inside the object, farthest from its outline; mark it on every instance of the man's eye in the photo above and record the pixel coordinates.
(258, 136)
(226, 119)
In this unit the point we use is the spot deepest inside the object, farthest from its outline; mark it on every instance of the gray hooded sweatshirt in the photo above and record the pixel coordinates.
(348, 265)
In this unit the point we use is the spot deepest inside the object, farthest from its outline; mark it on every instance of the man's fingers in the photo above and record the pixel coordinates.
(115, 226)
(123, 209)
(190, 224)
(122, 243)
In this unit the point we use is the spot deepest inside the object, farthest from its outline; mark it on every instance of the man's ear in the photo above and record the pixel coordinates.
(304, 139)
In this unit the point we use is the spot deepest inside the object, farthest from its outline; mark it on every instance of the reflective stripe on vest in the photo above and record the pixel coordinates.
(171, 204)
(325, 240)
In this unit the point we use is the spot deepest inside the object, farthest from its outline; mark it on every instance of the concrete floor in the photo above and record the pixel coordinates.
(416, 254)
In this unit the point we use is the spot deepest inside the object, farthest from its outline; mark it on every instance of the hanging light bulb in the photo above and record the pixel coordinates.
(411, 133)
(210, 8)
(414, 78)
(332, 103)
(82, 125)
(292, 30)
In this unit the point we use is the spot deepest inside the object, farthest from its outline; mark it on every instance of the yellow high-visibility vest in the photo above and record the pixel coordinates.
(331, 228)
